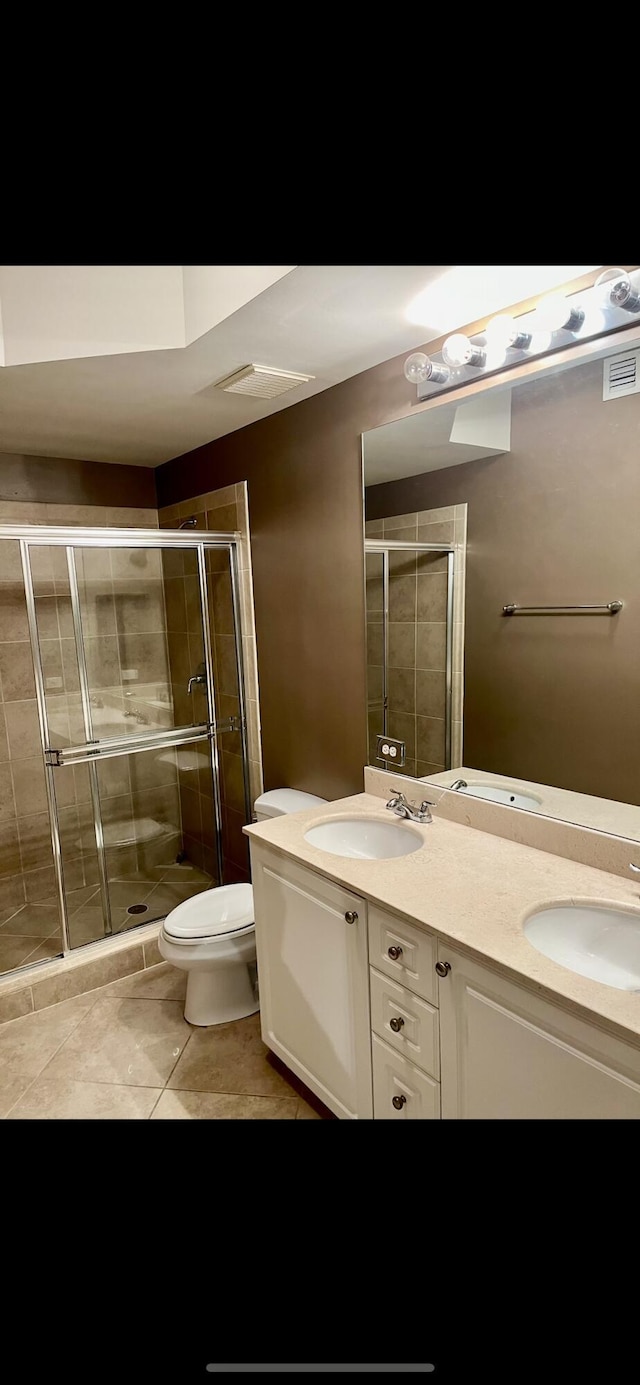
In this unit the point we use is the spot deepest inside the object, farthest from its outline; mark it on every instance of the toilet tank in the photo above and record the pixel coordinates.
(277, 802)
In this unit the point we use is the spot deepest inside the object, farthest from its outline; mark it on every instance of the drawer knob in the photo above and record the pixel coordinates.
(396, 1024)
(394, 953)
(443, 968)
(399, 1102)
(351, 916)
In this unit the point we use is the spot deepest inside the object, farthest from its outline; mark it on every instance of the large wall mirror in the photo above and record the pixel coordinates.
(502, 551)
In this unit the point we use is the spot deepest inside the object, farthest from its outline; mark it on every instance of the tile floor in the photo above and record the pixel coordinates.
(32, 933)
(125, 1052)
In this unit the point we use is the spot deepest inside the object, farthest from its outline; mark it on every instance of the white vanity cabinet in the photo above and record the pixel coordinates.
(508, 1054)
(382, 1019)
(311, 939)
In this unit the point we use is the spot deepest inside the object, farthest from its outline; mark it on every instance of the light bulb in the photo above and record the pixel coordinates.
(458, 350)
(418, 368)
(618, 290)
(503, 333)
(555, 314)
(415, 368)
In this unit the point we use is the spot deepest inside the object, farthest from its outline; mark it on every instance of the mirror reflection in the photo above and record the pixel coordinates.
(502, 574)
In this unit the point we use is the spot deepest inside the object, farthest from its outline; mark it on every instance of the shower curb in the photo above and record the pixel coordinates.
(47, 983)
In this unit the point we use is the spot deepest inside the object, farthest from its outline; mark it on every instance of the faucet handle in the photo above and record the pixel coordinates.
(427, 803)
(635, 868)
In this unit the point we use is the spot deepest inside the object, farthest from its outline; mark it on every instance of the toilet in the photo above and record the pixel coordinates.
(212, 936)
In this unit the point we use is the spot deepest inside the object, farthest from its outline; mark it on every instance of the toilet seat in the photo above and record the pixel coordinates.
(223, 912)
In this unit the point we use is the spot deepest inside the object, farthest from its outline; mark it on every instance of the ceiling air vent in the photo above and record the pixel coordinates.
(621, 375)
(262, 381)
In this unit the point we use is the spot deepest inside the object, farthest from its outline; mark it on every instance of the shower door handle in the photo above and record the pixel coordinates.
(196, 678)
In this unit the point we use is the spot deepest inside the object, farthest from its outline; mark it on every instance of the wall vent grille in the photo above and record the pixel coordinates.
(262, 382)
(621, 375)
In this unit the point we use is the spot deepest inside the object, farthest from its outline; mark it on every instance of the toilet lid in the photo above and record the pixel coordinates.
(226, 909)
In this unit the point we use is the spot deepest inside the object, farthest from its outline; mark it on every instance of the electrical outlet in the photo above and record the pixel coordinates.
(390, 750)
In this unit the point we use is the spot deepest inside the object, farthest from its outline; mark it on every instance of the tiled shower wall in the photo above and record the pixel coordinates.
(416, 637)
(26, 863)
(226, 511)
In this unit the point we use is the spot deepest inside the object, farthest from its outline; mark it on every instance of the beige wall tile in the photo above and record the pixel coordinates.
(17, 671)
(29, 788)
(23, 729)
(15, 1004)
(125, 517)
(152, 954)
(15, 625)
(10, 863)
(256, 783)
(393, 522)
(81, 978)
(211, 500)
(91, 516)
(431, 645)
(437, 515)
(20, 512)
(7, 803)
(223, 519)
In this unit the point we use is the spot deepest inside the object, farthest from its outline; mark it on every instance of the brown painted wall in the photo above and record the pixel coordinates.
(553, 699)
(305, 504)
(303, 470)
(66, 481)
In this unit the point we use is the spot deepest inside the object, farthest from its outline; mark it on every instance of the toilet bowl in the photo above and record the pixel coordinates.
(212, 936)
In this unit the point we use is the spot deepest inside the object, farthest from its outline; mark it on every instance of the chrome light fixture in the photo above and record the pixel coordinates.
(506, 340)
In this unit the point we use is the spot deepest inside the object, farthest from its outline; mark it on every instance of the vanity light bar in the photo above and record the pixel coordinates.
(555, 323)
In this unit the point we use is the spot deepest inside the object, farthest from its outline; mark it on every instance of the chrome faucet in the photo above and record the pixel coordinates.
(399, 805)
(459, 784)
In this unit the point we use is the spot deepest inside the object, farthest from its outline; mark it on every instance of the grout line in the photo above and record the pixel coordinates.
(160, 1093)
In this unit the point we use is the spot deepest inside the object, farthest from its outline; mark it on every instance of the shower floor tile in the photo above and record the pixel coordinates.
(38, 920)
(33, 933)
(125, 1052)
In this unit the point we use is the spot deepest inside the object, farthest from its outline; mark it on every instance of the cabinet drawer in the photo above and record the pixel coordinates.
(417, 1034)
(394, 1078)
(415, 967)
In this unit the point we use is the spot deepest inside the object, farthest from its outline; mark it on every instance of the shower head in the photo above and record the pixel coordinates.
(189, 523)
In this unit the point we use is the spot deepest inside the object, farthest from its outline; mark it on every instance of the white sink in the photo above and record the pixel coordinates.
(592, 939)
(496, 795)
(364, 838)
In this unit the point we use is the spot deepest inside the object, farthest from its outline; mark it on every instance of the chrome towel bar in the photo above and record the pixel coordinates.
(610, 609)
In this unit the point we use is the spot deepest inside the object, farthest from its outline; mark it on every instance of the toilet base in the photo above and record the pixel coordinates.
(217, 996)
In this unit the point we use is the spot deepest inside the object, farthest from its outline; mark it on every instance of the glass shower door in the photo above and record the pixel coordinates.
(131, 727)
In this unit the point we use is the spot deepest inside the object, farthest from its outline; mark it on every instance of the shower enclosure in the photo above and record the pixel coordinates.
(409, 590)
(123, 733)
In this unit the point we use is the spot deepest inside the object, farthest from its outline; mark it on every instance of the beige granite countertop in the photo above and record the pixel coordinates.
(474, 889)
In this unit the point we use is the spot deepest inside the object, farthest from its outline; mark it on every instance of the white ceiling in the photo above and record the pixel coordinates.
(329, 321)
(146, 406)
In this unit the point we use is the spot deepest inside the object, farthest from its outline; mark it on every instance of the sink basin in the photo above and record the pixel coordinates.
(496, 795)
(364, 838)
(594, 940)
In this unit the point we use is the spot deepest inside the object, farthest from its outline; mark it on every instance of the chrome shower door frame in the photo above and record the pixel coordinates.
(71, 538)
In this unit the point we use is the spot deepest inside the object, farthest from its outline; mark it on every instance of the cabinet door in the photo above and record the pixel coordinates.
(313, 975)
(506, 1054)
